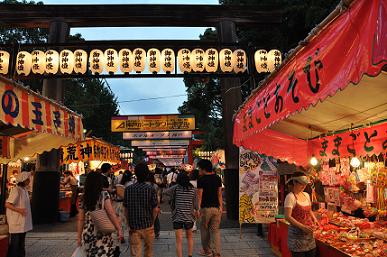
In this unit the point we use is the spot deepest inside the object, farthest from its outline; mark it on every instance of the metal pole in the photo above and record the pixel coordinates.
(4, 168)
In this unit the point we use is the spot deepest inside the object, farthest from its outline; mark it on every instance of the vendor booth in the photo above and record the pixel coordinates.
(325, 109)
(29, 124)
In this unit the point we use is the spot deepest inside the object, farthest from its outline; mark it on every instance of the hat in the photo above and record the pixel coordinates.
(23, 176)
(300, 179)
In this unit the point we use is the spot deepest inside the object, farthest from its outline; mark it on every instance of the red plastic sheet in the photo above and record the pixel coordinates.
(350, 46)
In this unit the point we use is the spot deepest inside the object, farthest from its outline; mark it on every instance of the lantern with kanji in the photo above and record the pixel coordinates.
(226, 60)
(273, 59)
(139, 59)
(23, 63)
(52, 62)
(184, 60)
(126, 64)
(66, 61)
(38, 62)
(211, 60)
(4, 62)
(240, 61)
(168, 60)
(260, 58)
(111, 60)
(153, 60)
(96, 61)
(197, 60)
(80, 61)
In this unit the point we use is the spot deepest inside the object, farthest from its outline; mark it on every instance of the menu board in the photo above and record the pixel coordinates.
(258, 188)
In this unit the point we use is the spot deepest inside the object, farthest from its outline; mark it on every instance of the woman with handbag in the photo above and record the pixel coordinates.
(97, 220)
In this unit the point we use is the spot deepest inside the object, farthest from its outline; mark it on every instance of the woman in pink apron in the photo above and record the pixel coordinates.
(298, 212)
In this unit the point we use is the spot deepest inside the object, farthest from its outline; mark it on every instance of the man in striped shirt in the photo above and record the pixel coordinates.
(141, 210)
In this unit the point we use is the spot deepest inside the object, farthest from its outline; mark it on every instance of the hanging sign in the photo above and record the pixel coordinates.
(166, 152)
(157, 135)
(89, 150)
(152, 123)
(258, 188)
(146, 143)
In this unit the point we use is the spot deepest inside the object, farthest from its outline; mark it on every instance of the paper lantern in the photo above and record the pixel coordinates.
(80, 61)
(153, 60)
(168, 60)
(66, 61)
(23, 63)
(197, 60)
(139, 58)
(4, 62)
(184, 60)
(260, 58)
(96, 61)
(240, 61)
(52, 62)
(111, 60)
(211, 60)
(38, 62)
(126, 64)
(273, 59)
(227, 60)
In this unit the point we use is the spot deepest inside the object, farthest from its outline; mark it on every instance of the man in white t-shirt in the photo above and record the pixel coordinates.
(172, 177)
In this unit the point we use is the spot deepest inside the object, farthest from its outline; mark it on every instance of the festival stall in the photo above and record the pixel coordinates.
(29, 124)
(325, 109)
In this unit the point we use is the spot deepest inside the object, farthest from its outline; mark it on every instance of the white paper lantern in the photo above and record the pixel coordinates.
(197, 60)
(240, 61)
(153, 60)
(96, 61)
(38, 62)
(111, 60)
(126, 63)
(273, 59)
(4, 62)
(260, 58)
(66, 61)
(227, 60)
(52, 62)
(139, 59)
(184, 60)
(168, 60)
(211, 60)
(80, 61)
(23, 63)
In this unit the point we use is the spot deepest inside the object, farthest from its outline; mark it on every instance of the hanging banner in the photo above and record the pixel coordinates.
(258, 188)
(158, 135)
(367, 141)
(319, 69)
(147, 143)
(152, 123)
(89, 150)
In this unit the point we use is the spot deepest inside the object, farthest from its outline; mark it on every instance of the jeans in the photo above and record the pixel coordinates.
(311, 253)
(17, 245)
(157, 226)
(136, 237)
(209, 229)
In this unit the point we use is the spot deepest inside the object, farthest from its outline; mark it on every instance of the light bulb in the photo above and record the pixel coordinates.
(355, 162)
(313, 161)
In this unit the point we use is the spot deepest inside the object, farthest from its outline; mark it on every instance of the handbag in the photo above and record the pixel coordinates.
(101, 220)
(79, 252)
(120, 191)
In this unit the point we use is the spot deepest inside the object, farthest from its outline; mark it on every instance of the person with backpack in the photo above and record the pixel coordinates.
(184, 207)
(172, 177)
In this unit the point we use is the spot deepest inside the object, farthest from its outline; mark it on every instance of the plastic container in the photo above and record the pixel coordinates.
(64, 216)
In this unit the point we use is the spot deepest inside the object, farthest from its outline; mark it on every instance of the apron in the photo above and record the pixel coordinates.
(298, 240)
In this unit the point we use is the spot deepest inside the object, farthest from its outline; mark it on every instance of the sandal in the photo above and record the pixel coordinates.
(202, 252)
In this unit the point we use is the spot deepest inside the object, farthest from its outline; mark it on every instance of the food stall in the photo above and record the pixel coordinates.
(325, 109)
(26, 120)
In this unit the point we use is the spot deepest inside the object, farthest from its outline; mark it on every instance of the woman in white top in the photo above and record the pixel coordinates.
(298, 212)
(19, 215)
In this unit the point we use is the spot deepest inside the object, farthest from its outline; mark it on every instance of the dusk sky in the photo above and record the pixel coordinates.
(171, 90)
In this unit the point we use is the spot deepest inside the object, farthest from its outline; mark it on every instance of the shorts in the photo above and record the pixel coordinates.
(181, 225)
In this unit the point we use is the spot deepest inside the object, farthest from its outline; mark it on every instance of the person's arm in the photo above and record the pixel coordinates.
(113, 217)
(12, 207)
(81, 223)
(220, 199)
(199, 195)
(155, 207)
(294, 222)
(11, 201)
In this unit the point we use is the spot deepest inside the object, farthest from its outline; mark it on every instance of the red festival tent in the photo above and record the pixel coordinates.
(329, 97)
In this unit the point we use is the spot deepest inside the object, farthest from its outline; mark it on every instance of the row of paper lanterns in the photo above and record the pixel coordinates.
(196, 60)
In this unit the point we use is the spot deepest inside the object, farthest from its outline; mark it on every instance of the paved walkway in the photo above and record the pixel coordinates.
(62, 244)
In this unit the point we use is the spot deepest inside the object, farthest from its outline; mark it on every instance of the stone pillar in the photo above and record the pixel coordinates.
(232, 99)
(45, 196)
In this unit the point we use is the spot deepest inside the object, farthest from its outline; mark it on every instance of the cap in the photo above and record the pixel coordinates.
(300, 179)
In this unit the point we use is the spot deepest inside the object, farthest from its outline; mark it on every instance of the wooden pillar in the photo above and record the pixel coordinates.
(46, 182)
(232, 99)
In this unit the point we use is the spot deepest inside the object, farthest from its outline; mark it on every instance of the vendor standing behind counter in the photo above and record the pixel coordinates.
(71, 182)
